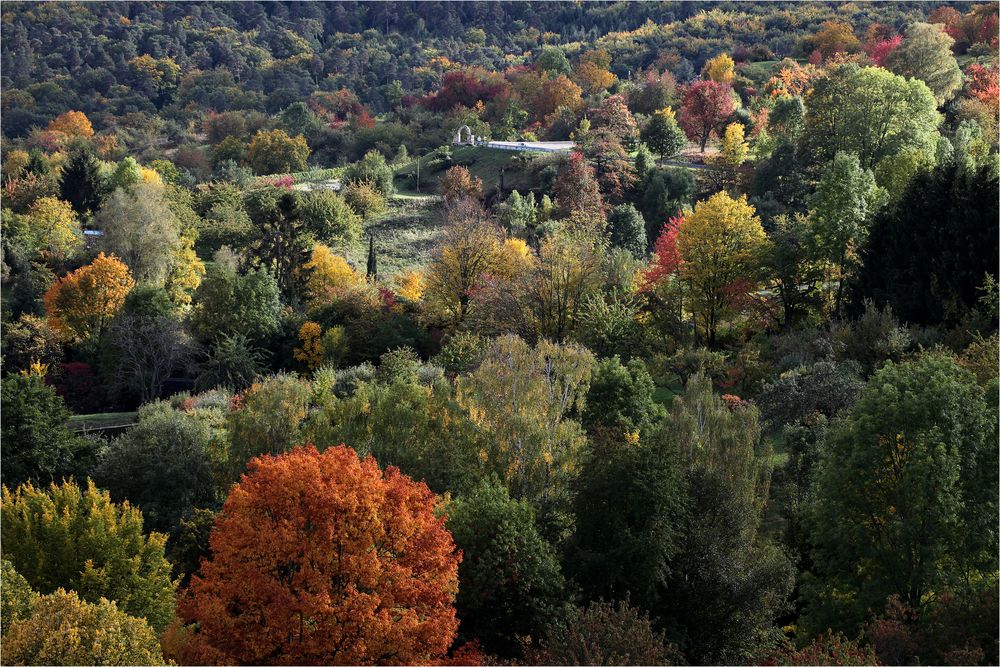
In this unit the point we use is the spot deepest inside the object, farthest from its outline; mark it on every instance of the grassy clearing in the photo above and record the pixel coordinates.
(482, 162)
(405, 235)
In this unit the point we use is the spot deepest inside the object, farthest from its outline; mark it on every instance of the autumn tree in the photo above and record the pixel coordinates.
(663, 135)
(275, 152)
(835, 37)
(611, 161)
(76, 538)
(925, 54)
(72, 124)
(523, 397)
(706, 105)
(592, 71)
(329, 277)
(655, 92)
(62, 629)
(720, 244)
(81, 305)
(614, 115)
(275, 591)
(576, 191)
(55, 228)
(604, 633)
(509, 580)
(720, 69)
(458, 183)
(470, 248)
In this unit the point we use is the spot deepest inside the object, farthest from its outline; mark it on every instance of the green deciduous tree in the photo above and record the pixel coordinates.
(37, 444)
(845, 201)
(925, 54)
(140, 229)
(164, 465)
(663, 135)
(509, 582)
(227, 303)
(905, 497)
(870, 112)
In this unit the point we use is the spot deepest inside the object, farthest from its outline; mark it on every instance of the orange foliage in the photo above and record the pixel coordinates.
(320, 558)
(458, 183)
(81, 304)
(73, 124)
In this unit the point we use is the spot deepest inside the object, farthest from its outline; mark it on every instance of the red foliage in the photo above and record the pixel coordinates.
(388, 298)
(880, 50)
(666, 257)
(363, 119)
(463, 88)
(285, 182)
(830, 649)
(983, 84)
(816, 57)
(706, 105)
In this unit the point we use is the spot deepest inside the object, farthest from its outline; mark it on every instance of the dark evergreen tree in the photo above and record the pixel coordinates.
(81, 184)
(928, 255)
(372, 272)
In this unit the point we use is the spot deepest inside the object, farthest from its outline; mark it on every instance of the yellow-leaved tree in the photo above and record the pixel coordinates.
(329, 276)
(720, 69)
(72, 124)
(55, 228)
(81, 304)
(720, 246)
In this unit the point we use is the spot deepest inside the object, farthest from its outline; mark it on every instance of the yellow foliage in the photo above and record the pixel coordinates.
(73, 124)
(720, 69)
(329, 276)
(185, 273)
(81, 304)
(311, 352)
(720, 245)
(410, 285)
(151, 176)
(55, 227)
(735, 150)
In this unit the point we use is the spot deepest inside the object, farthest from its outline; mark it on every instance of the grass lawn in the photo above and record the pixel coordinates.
(405, 235)
(482, 162)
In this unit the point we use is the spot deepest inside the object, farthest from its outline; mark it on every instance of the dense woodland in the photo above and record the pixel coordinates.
(288, 378)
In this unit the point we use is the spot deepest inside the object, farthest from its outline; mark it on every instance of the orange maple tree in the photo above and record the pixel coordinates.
(81, 304)
(73, 124)
(321, 558)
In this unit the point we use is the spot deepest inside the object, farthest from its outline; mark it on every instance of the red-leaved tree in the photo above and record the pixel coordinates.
(706, 105)
(321, 558)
